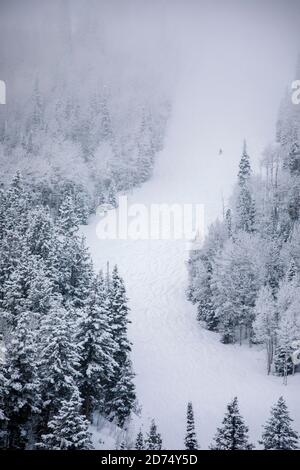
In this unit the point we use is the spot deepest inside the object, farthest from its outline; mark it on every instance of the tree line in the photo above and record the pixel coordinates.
(278, 433)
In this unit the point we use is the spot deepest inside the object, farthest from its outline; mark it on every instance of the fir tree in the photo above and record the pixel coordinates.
(59, 360)
(233, 435)
(278, 433)
(68, 219)
(145, 147)
(3, 417)
(68, 429)
(139, 442)
(153, 440)
(74, 270)
(97, 365)
(40, 233)
(190, 438)
(121, 394)
(22, 399)
(228, 218)
(245, 203)
(111, 195)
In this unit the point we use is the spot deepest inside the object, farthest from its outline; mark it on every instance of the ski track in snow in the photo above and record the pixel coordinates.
(175, 360)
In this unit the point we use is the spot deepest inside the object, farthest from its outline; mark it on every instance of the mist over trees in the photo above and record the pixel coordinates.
(84, 118)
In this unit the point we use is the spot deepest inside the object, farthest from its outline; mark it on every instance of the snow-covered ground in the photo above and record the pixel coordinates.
(175, 360)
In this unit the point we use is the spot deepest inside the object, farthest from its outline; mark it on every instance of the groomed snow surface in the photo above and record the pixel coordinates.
(175, 360)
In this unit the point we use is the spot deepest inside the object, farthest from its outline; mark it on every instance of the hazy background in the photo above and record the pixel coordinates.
(229, 60)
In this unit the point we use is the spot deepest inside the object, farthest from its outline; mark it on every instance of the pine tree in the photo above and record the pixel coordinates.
(145, 160)
(278, 433)
(121, 394)
(190, 438)
(68, 219)
(233, 435)
(139, 443)
(153, 440)
(59, 360)
(111, 195)
(3, 417)
(22, 398)
(40, 233)
(68, 429)
(245, 203)
(97, 365)
(228, 218)
(74, 269)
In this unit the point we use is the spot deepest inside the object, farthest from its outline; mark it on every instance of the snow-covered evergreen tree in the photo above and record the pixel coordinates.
(68, 219)
(278, 433)
(235, 283)
(233, 435)
(288, 330)
(3, 417)
(97, 365)
(22, 397)
(245, 204)
(153, 439)
(139, 442)
(121, 394)
(190, 440)
(68, 429)
(58, 360)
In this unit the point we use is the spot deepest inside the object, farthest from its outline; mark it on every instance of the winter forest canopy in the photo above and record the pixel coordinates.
(112, 98)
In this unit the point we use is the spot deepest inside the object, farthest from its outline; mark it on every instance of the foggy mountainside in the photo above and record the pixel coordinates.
(74, 122)
(129, 341)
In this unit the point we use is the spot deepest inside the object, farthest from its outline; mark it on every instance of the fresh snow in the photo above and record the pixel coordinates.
(176, 360)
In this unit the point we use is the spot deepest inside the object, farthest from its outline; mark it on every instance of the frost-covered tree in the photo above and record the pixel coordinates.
(200, 266)
(139, 442)
(153, 439)
(58, 360)
(94, 336)
(245, 204)
(111, 194)
(233, 435)
(121, 394)
(278, 433)
(22, 397)
(265, 323)
(289, 326)
(68, 429)
(236, 280)
(190, 440)
(3, 417)
(68, 219)
(286, 334)
(74, 270)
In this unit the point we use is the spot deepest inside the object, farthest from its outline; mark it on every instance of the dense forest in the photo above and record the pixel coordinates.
(68, 144)
(245, 279)
(63, 326)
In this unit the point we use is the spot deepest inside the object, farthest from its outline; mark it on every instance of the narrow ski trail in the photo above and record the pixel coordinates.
(175, 360)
